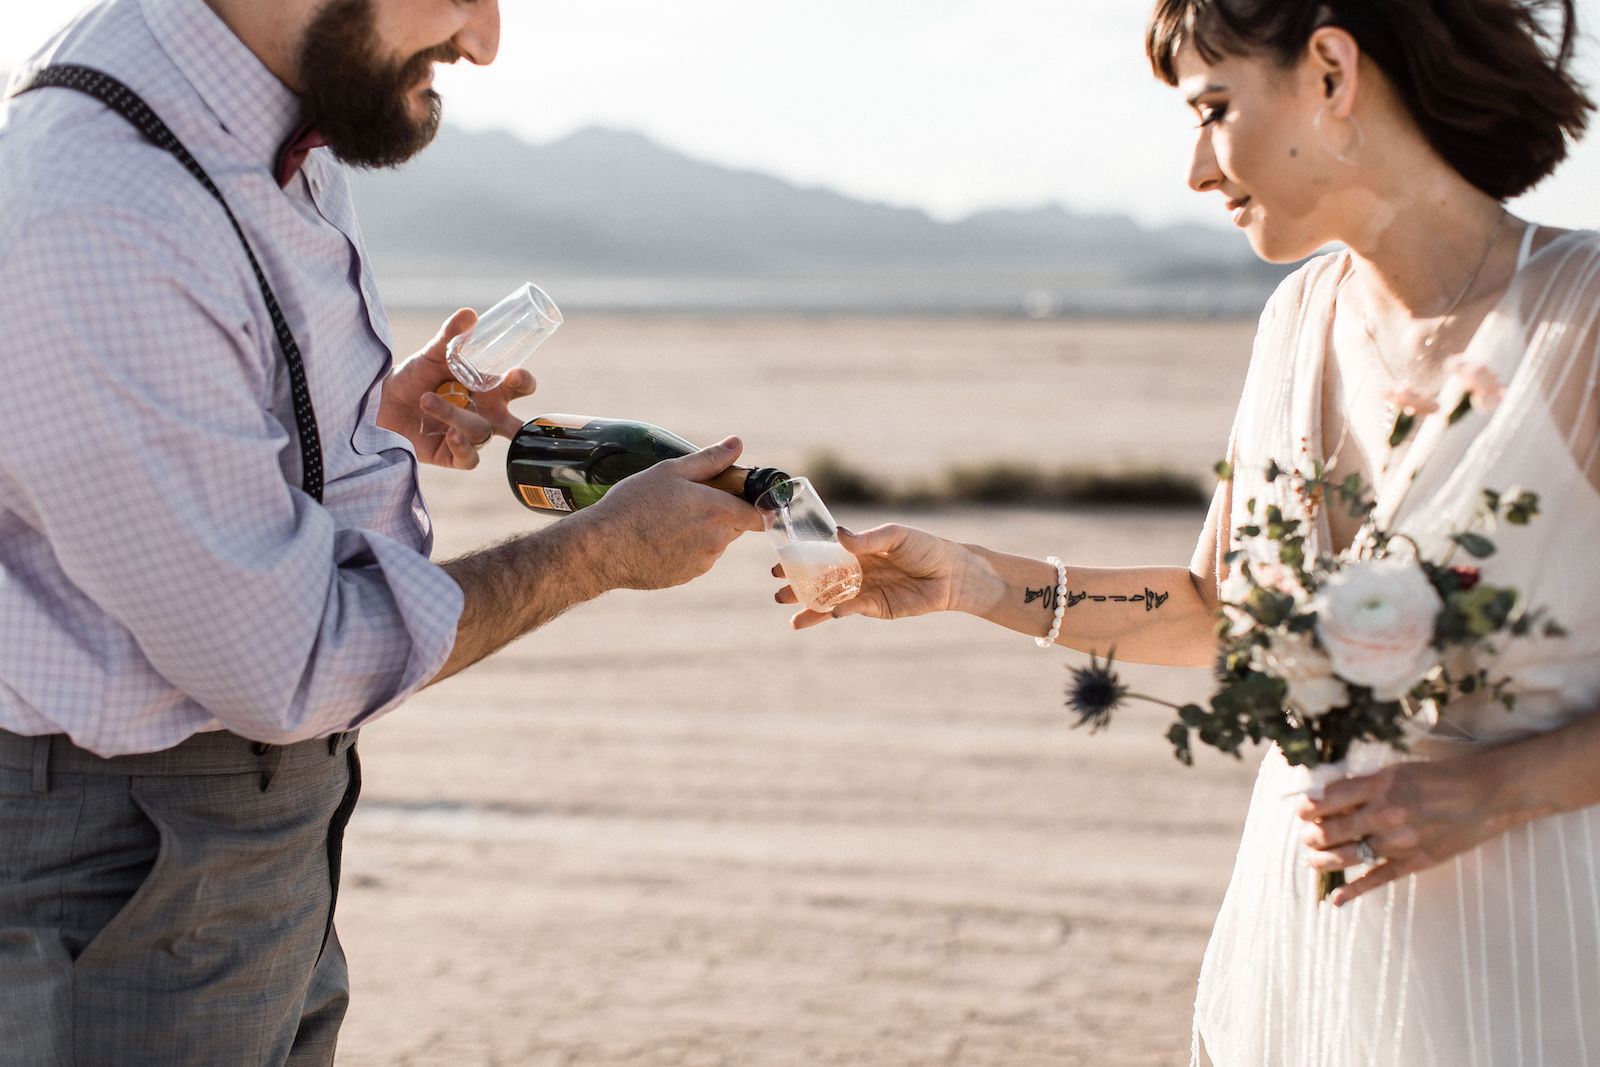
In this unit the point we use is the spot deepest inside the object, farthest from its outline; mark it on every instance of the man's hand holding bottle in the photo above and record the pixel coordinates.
(662, 526)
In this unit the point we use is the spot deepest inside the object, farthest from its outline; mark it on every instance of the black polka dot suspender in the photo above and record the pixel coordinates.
(127, 103)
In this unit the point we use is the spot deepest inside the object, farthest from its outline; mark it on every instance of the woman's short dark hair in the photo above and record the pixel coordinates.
(1485, 80)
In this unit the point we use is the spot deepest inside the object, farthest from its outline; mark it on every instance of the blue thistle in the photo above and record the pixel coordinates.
(1094, 692)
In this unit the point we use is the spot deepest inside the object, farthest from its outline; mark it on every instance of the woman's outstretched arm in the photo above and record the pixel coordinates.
(1152, 614)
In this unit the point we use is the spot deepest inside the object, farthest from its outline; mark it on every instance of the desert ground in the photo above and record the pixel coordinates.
(667, 830)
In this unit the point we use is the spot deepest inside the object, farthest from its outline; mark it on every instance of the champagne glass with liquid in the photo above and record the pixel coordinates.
(501, 340)
(822, 572)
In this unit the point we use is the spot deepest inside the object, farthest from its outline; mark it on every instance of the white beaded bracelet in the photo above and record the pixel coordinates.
(1049, 639)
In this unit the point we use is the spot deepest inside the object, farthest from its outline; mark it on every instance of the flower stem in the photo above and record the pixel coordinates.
(1333, 750)
(1154, 700)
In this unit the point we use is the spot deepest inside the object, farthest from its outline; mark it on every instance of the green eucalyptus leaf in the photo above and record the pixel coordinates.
(1403, 422)
(1474, 544)
(1523, 509)
(1267, 607)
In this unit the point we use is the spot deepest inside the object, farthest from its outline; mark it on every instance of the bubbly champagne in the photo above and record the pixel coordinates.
(561, 463)
(822, 573)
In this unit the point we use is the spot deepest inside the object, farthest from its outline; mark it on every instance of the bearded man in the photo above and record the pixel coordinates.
(213, 553)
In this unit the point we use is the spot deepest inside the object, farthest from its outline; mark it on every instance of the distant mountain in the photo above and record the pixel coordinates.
(609, 204)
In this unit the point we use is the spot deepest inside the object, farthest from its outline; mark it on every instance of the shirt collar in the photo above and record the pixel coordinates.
(248, 99)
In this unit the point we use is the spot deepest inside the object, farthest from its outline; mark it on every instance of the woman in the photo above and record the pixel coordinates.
(1472, 933)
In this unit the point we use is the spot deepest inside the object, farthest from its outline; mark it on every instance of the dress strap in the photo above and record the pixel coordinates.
(1527, 245)
(127, 103)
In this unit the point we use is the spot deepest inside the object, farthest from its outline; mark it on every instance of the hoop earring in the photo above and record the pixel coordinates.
(1358, 140)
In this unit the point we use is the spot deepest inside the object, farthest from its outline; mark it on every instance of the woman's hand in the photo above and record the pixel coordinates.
(1412, 816)
(904, 572)
(408, 397)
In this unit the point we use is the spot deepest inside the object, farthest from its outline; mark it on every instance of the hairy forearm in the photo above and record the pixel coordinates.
(1146, 614)
(659, 528)
(521, 584)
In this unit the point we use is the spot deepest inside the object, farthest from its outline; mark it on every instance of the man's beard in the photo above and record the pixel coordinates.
(356, 100)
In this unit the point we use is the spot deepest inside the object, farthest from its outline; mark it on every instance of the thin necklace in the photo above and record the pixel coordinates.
(1427, 345)
(1433, 334)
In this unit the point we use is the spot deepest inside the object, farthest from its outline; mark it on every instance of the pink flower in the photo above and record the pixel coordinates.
(1481, 384)
(1410, 401)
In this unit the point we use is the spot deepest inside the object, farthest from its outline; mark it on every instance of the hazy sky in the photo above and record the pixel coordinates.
(947, 105)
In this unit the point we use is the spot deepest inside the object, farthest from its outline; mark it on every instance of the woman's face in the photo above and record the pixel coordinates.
(1257, 147)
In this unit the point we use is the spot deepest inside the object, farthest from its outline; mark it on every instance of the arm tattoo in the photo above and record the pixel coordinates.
(1047, 596)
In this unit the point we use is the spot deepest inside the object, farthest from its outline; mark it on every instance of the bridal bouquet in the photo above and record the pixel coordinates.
(1322, 654)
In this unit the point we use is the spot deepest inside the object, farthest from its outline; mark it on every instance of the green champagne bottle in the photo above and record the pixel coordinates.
(560, 463)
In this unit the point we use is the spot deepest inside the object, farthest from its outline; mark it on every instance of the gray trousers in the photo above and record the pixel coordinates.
(174, 907)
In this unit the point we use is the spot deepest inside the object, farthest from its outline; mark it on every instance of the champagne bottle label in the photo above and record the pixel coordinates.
(545, 497)
(563, 422)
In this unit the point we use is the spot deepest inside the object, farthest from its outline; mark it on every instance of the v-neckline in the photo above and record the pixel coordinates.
(1390, 488)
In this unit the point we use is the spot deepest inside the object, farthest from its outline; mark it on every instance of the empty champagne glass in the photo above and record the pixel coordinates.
(501, 340)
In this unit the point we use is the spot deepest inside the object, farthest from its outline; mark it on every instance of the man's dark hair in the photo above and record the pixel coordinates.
(1486, 81)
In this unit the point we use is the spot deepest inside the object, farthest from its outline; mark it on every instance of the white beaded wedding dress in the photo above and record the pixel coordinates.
(1492, 958)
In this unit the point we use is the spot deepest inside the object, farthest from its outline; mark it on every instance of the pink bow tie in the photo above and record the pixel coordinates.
(294, 151)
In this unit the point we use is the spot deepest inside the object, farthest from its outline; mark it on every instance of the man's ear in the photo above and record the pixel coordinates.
(1334, 57)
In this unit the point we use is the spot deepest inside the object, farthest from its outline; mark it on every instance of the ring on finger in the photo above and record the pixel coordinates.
(486, 439)
(1365, 852)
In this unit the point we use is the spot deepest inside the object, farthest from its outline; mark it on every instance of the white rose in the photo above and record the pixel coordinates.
(1376, 620)
(1305, 669)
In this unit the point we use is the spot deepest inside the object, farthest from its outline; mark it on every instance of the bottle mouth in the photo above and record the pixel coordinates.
(769, 487)
(763, 480)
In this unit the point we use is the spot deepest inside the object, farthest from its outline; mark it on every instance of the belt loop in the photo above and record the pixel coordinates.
(333, 743)
(271, 757)
(41, 763)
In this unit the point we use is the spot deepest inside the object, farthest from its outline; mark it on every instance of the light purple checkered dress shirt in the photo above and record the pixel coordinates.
(161, 573)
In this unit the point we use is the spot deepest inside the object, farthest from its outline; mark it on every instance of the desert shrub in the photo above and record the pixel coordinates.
(1149, 488)
(841, 484)
(1007, 483)
(1003, 482)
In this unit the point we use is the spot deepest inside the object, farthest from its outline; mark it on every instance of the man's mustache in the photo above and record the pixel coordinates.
(417, 66)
